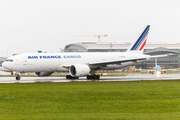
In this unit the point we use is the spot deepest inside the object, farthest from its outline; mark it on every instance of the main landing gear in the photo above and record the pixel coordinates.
(89, 77)
(93, 77)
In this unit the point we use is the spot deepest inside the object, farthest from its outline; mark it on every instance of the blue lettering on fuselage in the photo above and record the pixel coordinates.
(50, 57)
(53, 57)
(32, 57)
(72, 56)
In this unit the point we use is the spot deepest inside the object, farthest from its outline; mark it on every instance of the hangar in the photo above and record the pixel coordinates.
(2, 59)
(172, 61)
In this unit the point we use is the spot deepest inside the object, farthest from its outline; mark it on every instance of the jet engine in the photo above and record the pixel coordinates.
(43, 73)
(78, 70)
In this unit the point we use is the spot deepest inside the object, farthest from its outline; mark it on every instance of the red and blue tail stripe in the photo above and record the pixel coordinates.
(140, 43)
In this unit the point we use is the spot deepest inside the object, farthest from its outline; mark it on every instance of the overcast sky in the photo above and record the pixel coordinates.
(32, 25)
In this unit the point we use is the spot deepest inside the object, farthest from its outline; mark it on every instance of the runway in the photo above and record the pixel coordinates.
(129, 77)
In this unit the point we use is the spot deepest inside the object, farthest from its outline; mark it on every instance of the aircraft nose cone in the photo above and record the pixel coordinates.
(6, 65)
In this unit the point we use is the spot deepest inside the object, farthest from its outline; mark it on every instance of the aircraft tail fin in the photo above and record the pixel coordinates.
(138, 45)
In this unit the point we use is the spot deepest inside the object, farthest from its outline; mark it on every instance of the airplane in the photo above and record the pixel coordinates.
(79, 64)
(157, 69)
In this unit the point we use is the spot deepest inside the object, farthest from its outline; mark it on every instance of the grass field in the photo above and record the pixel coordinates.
(148, 100)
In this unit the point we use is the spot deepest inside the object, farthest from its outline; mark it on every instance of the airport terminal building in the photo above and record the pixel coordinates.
(172, 61)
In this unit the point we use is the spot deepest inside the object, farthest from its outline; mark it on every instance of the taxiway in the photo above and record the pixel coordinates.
(129, 77)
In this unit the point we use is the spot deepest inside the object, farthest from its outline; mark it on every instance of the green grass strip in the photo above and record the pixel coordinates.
(145, 100)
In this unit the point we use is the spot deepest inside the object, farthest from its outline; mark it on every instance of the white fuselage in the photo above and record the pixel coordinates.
(51, 62)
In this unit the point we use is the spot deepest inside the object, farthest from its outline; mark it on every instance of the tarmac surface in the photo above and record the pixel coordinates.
(129, 77)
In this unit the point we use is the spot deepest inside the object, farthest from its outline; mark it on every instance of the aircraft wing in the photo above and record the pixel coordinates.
(155, 56)
(125, 60)
(116, 61)
(103, 63)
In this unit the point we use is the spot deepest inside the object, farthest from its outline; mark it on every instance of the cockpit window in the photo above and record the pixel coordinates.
(9, 60)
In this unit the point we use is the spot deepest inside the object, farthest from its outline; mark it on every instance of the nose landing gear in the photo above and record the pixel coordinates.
(18, 77)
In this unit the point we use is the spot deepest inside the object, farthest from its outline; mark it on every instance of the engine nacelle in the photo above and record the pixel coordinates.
(78, 70)
(164, 71)
(43, 73)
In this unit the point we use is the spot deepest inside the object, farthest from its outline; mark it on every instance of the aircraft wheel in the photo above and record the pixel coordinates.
(98, 77)
(95, 77)
(70, 77)
(18, 78)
